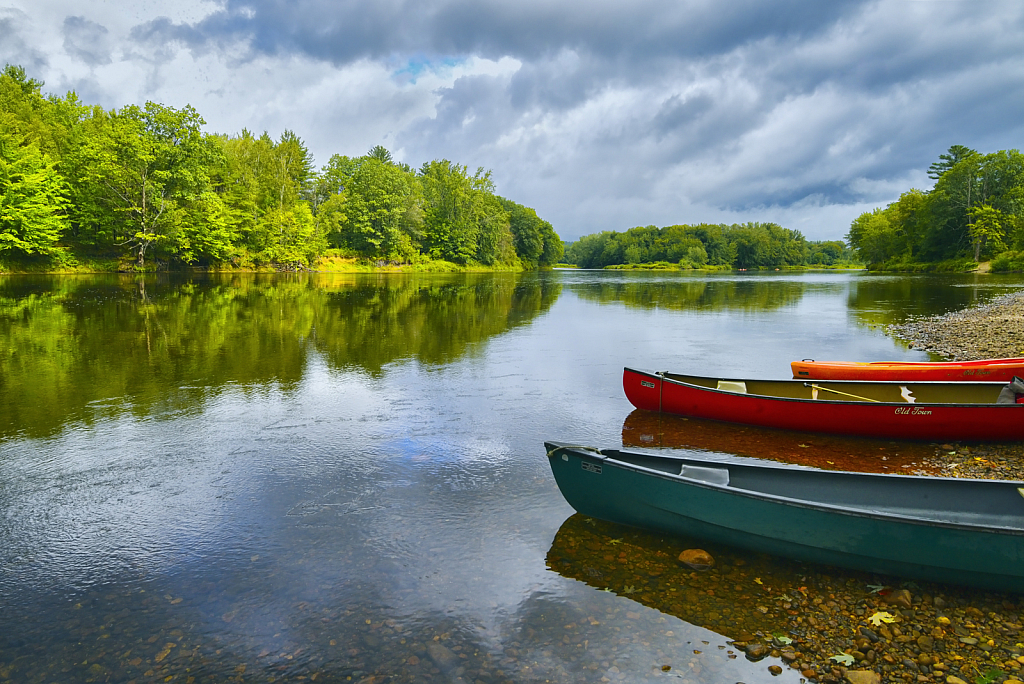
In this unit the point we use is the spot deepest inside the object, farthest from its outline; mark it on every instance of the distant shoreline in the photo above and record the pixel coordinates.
(324, 265)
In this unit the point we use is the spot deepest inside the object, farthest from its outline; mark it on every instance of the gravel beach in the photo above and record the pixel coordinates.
(980, 633)
(994, 330)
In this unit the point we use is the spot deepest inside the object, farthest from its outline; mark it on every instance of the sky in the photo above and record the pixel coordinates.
(600, 115)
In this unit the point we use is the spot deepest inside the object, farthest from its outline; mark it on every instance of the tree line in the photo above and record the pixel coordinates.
(739, 246)
(974, 212)
(146, 185)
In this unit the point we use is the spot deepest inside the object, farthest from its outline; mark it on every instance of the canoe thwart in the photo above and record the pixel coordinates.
(718, 476)
(736, 386)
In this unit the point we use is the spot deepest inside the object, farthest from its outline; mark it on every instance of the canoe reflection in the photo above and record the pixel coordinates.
(743, 594)
(651, 429)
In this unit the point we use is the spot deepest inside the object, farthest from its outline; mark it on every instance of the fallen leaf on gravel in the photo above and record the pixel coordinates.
(880, 617)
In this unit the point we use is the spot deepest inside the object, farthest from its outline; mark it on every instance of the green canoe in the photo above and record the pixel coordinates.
(941, 529)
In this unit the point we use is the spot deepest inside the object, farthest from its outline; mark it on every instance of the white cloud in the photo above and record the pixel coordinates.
(801, 113)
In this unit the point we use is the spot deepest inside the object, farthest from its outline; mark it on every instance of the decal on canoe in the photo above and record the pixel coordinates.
(646, 383)
(912, 411)
(591, 467)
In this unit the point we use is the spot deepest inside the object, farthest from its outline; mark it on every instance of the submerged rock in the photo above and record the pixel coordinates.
(698, 559)
(863, 677)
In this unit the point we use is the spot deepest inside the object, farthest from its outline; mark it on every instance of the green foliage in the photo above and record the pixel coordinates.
(535, 240)
(957, 153)
(975, 211)
(989, 676)
(33, 199)
(147, 187)
(140, 170)
(747, 246)
(376, 204)
(828, 253)
(1011, 261)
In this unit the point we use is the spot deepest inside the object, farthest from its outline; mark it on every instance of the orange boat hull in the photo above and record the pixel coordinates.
(994, 370)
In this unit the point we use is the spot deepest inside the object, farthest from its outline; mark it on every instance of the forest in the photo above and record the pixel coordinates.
(738, 246)
(972, 214)
(145, 188)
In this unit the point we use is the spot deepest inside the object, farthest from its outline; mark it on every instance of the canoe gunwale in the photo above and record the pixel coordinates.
(792, 502)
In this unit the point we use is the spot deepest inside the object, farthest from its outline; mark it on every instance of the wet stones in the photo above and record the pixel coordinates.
(698, 559)
(863, 677)
(990, 331)
(441, 655)
(756, 651)
(900, 598)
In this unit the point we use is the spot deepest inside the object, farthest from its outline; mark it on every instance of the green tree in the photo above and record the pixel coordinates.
(33, 199)
(957, 153)
(986, 229)
(141, 166)
(873, 237)
(375, 207)
(381, 154)
(589, 250)
(456, 207)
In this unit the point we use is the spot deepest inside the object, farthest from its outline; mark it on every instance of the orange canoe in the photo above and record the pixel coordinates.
(1000, 370)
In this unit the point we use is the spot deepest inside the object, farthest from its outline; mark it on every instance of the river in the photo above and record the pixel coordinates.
(343, 478)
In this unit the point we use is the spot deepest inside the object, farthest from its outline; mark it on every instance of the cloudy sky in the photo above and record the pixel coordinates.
(601, 115)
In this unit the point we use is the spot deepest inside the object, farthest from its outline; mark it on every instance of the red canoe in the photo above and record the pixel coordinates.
(894, 410)
(1001, 370)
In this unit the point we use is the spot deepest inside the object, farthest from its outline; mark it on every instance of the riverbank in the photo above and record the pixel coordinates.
(980, 634)
(995, 330)
(327, 264)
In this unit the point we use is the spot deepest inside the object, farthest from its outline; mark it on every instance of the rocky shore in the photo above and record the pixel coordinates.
(995, 330)
(911, 635)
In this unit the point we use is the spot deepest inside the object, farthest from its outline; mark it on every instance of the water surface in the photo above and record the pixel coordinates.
(343, 477)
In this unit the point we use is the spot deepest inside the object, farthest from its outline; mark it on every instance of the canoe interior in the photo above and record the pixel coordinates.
(982, 503)
(854, 391)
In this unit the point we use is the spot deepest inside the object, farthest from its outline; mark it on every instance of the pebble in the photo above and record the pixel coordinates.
(698, 559)
(863, 677)
(994, 330)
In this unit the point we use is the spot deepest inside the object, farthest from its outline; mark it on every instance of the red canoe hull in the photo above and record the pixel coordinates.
(886, 419)
(1001, 370)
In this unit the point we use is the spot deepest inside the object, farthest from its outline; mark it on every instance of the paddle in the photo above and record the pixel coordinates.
(845, 394)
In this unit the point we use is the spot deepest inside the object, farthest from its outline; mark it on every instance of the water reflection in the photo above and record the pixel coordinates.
(81, 349)
(702, 293)
(830, 452)
(886, 299)
(273, 477)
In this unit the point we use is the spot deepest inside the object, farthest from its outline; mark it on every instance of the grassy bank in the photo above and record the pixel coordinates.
(329, 264)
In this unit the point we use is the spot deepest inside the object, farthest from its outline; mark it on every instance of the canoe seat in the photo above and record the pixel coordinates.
(737, 386)
(718, 476)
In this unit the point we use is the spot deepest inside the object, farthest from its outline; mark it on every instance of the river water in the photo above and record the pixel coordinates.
(342, 477)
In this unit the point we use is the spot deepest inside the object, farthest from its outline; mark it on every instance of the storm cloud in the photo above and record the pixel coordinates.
(602, 115)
